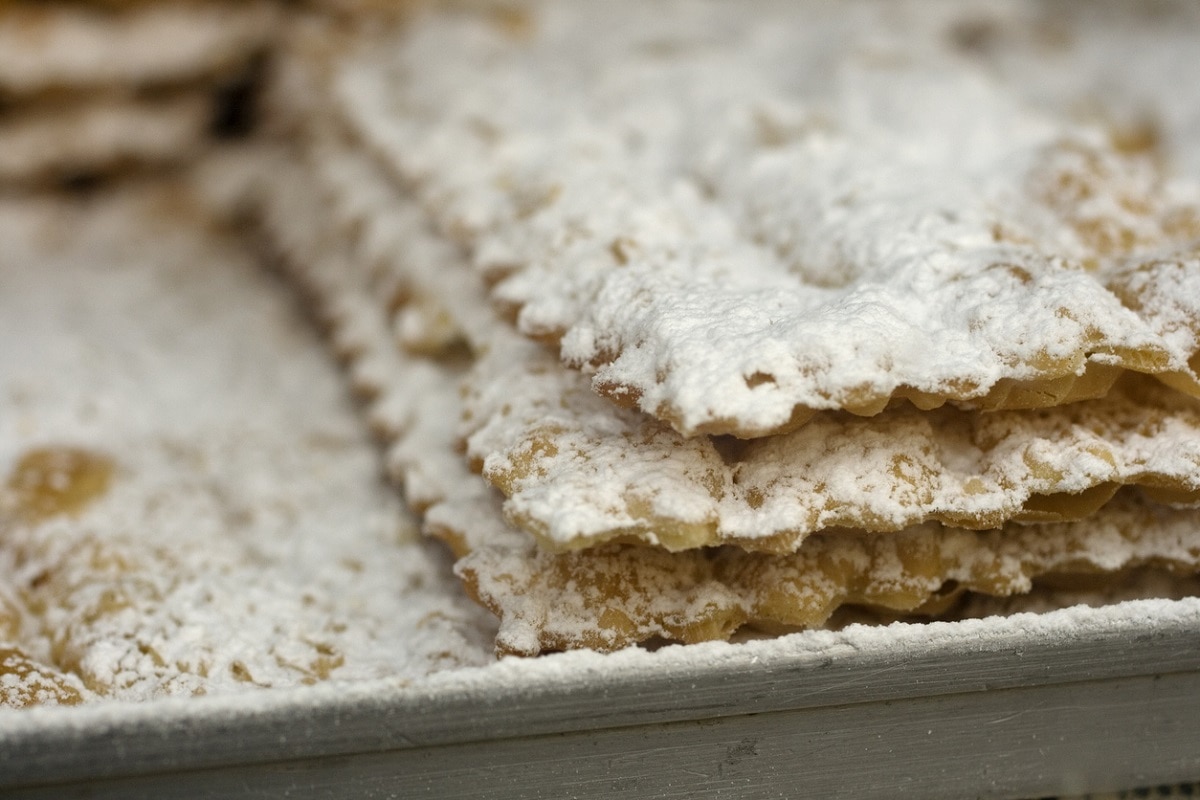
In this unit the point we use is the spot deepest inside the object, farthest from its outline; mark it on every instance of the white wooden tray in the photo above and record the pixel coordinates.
(1068, 702)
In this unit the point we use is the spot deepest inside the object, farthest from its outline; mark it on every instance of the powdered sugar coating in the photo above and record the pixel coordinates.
(246, 539)
(612, 596)
(1110, 63)
(729, 248)
(578, 472)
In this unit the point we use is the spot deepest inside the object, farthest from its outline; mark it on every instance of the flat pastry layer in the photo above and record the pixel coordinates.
(101, 135)
(614, 595)
(189, 503)
(577, 472)
(47, 47)
(731, 220)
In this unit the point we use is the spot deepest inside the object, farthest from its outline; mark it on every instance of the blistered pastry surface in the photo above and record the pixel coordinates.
(577, 472)
(729, 245)
(615, 596)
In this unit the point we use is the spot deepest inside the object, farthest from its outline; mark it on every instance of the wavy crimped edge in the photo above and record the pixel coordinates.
(528, 466)
(711, 594)
(503, 469)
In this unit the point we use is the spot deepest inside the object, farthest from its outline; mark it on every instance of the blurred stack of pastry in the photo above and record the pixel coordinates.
(95, 88)
(189, 503)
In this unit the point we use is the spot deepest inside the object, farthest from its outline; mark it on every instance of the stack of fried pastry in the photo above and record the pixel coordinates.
(690, 318)
(94, 87)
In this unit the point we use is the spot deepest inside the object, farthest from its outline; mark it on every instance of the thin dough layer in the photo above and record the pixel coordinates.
(729, 249)
(577, 472)
(614, 596)
(103, 135)
(48, 47)
(188, 502)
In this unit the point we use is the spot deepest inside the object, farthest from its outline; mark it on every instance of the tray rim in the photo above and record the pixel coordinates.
(586, 692)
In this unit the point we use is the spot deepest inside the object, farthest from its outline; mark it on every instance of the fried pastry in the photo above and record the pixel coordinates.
(1054, 265)
(432, 309)
(613, 595)
(577, 472)
(617, 595)
(88, 90)
(94, 137)
(731, 252)
(188, 503)
(1109, 63)
(26, 682)
(56, 47)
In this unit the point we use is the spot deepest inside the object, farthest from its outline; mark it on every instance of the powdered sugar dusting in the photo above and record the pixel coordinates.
(246, 538)
(610, 597)
(685, 261)
(243, 539)
(577, 471)
(1111, 63)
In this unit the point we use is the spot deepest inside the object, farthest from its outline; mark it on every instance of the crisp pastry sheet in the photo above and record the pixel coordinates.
(104, 134)
(189, 503)
(733, 219)
(577, 472)
(615, 595)
(378, 251)
(189, 506)
(52, 47)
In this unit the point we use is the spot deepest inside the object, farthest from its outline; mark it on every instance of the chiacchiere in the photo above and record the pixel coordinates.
(94, 92)
(670, 342)
(618, 594)
(731, 251)
(188, 502)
